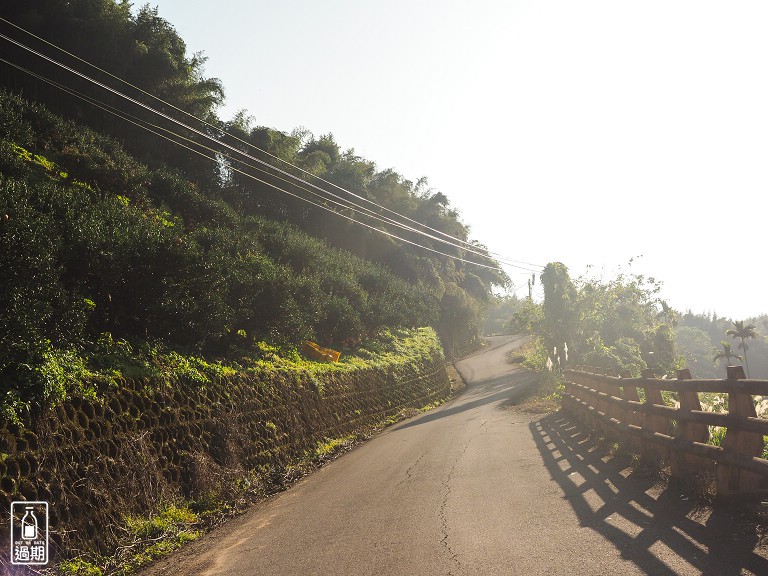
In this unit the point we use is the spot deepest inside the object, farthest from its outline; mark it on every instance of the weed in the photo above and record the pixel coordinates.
(167, 521)
(62, 373)
(78, 567)
(331, 447)
(155, 536)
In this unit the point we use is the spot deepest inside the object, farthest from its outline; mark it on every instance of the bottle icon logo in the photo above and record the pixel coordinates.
(29, 524)
(29, 533)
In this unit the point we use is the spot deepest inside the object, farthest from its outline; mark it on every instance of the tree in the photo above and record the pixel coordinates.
(559, 303)
(668, 314)
(726, 353)
(614, 324)
(144, 50)
(742, 332)
(695, 347)
(624, 354)
(526, 319)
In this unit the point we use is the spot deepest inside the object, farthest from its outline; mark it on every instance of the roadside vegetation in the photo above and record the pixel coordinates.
(623, 325)
(129, 261)
(116, 270)
(126, 255)
(620, 324)
(170, 500)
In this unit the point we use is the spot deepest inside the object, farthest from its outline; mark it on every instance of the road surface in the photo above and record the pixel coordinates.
(475, 488)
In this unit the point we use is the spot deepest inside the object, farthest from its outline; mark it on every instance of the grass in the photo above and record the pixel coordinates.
(544, 396)
(332, 447)
(145, 539)
(88, 373)
(79, 567)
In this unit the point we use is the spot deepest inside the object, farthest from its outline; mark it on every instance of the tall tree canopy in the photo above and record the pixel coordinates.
(143, 49)
(620, 324)
(146, 51)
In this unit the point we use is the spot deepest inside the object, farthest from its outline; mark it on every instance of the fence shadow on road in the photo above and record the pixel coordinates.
(503, 389)
(648, 524)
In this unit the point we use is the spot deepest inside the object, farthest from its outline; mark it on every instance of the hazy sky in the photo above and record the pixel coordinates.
(583, 132)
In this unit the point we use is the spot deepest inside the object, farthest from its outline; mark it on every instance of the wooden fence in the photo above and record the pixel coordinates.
(633, 411)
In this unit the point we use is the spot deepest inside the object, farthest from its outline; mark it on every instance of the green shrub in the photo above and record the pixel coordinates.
(113, 269)
(78, 567)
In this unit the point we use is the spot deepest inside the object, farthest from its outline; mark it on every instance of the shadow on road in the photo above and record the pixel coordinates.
(503, 389)
(653, 532)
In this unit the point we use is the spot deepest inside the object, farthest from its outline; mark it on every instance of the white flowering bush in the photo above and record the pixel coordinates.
(719, 403)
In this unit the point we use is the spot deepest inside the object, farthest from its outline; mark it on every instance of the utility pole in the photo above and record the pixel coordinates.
(531, 282)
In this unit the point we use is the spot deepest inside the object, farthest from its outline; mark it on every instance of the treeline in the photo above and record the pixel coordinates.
(703, 338)
(146, 51)
(112, 240)
(624, 324)
(619, 324)
(94, 242)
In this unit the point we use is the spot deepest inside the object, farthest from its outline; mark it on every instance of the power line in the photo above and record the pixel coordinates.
(152, 128)
(139, 123)
(464, 244)
(161, 114)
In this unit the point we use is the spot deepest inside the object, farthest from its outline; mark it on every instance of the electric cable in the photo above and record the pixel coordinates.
(499, 257)
(153, 128)
(163, 115)
(213, 159)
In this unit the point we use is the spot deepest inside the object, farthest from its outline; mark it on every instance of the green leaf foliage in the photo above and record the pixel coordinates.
(620, 324)
(112, 276)
(112, 230)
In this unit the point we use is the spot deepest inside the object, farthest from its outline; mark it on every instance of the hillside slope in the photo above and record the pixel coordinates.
(109, 265)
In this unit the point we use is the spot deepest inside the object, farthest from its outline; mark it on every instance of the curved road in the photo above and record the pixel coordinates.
(470, 488)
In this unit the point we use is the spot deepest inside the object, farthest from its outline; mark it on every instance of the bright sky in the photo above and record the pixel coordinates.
(582, 132)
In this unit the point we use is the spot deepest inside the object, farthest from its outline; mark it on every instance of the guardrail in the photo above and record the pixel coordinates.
(634, 411)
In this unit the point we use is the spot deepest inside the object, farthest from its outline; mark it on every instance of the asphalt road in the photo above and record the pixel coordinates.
(475, 488)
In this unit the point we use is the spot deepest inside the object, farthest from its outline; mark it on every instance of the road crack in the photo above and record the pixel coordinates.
(411, 467)
(444, 541)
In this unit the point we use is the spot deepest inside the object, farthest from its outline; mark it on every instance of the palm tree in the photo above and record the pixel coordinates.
(726, 353)
(743, 332)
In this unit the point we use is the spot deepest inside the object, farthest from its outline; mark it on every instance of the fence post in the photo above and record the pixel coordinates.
(566, 390)
(587, 417)
(731, 479)
(615, 411)
(570, 402)
(630, 415)
(601, 404)
(653, 423)
(684, 464)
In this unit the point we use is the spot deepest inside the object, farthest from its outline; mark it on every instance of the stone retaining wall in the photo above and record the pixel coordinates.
(150, 442)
